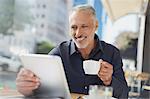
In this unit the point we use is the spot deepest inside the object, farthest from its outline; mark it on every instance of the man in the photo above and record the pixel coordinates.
(84, 45)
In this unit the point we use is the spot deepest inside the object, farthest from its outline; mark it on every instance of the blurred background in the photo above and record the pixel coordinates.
(37, 26)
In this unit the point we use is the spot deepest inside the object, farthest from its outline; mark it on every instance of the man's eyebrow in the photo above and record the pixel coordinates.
(72, 24)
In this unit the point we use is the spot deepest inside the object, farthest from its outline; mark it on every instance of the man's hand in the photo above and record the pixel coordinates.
(26, 82)
(105, 72)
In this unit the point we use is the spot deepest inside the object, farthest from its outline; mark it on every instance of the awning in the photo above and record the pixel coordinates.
(118, 8)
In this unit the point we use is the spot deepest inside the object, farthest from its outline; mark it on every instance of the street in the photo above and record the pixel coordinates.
(7, 80)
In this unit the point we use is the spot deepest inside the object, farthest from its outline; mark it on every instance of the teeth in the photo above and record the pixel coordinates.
(81, 38)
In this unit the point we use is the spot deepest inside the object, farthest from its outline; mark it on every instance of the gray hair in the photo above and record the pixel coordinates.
(85, 7)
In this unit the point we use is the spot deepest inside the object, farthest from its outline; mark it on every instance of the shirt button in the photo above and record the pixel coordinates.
(85, 87)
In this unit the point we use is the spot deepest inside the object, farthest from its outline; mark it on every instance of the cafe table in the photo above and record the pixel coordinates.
(14, 94)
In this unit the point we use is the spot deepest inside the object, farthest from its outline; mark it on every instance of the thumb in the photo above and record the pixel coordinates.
(100, 61)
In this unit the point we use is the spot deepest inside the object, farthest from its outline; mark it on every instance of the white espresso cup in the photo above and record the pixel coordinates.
(91, 67)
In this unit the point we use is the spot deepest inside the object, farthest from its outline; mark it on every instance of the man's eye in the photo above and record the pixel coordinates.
(84, 26)
(74, 27)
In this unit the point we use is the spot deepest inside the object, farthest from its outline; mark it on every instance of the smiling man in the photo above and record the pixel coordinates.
(84, 45)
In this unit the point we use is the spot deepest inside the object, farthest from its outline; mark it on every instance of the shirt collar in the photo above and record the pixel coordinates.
(73, 48)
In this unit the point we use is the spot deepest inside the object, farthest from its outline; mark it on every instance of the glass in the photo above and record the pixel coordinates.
(100, 92)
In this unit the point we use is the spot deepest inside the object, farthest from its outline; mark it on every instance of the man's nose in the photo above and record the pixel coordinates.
(78, 32)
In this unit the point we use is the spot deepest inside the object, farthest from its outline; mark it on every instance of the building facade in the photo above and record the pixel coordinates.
(51, 20)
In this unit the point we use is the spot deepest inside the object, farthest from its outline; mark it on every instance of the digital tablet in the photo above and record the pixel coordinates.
(50, 70)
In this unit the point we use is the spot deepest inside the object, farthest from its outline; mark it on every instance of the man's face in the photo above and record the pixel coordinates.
(82, 28)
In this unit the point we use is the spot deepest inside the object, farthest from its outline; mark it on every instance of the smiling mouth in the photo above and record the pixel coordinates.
(80, 38)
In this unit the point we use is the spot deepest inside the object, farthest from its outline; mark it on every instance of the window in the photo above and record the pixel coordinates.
(37, 15)
(38, 6)
(43, 16)
(42, 25)
(44, 6)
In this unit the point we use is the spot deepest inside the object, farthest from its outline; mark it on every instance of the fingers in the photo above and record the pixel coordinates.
(106, 65)
(25, 72)
(27, 84)
(24, 86)
(27, 75)
(105, 72)
(26, 78)
(103, 78)
(27, 89)
(27, 81)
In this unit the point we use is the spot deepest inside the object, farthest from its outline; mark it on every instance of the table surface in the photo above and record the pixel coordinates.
(13, 94)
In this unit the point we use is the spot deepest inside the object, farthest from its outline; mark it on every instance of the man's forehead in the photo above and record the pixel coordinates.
(83, 12)
(78, 14)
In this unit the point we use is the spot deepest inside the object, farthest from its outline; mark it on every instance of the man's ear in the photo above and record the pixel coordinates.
(96, 25)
